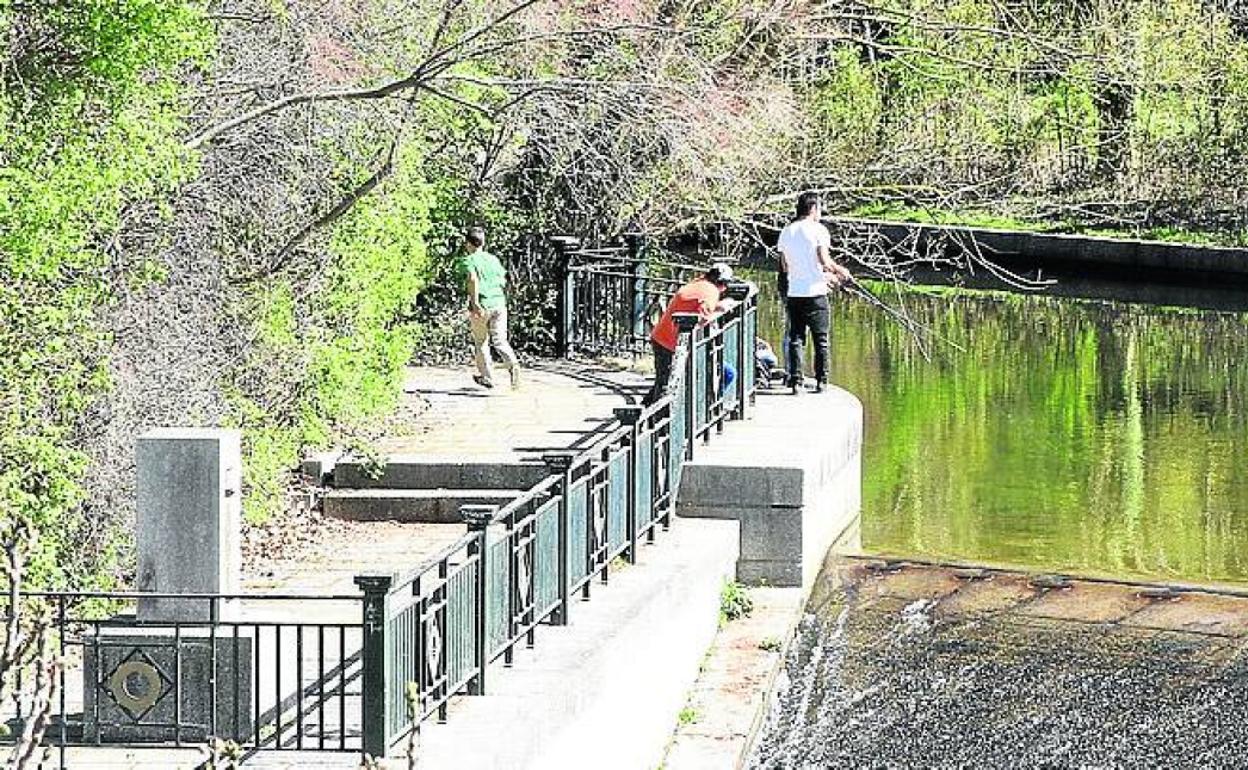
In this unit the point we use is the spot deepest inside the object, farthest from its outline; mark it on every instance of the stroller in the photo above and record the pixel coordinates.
(766, 364)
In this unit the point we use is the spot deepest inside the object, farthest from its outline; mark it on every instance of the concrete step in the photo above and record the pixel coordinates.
(437, 506)
(424, 472)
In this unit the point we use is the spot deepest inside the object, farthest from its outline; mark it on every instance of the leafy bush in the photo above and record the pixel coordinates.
(88, 124)
(347, 354)
(734, 602)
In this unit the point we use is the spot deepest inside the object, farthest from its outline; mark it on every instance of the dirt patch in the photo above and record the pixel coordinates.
(299, 529)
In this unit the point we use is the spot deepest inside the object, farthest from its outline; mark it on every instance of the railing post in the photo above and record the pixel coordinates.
(375, 664)
(564, 246)
(636, 249)
(686, 324)
(478, 518)
(750, 318)
(630, 416)
(745, 358)
(561, 463)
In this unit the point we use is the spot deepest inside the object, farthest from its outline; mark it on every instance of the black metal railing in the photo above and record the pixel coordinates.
(610, 299)
(611, 296)
(721, 368)
(441, 626)
(268, 672)
(372, 667)
(432, 634)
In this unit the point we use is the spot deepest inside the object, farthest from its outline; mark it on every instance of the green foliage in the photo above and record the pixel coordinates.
(900, 212)
(270, 450)
(88, 124)
(972, 217)
(734, 602)
(848, 108)
(347, 355)
(963, 101)
(381, 263)
(770, 644)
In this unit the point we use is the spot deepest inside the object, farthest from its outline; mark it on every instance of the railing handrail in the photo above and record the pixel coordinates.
(624, 256)
(540, 488)
(408, 577)
(128, 595)
(520, 563)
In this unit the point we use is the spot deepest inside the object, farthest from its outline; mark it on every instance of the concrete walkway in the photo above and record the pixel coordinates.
(605, 691)
(561, 405)
(472, 445)
(350, 549)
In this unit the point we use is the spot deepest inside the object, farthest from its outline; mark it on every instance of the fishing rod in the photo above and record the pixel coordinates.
(919, 330)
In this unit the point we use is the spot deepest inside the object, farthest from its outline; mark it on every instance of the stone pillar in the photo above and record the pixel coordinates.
(189, 515)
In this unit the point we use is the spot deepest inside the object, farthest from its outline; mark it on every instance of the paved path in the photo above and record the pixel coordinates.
(562, 406)
(348, 549)
(559, 406)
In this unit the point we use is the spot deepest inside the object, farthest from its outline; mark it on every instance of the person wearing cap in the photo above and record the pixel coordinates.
(706, 297)
(810, 271)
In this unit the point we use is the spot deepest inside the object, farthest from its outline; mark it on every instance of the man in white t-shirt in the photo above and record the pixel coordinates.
(806, 247)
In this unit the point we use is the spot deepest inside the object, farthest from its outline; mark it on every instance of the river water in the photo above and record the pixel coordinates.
(1052, 434)
(1045, 434)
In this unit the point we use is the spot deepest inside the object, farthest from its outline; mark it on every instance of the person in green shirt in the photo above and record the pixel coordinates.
(487, 309)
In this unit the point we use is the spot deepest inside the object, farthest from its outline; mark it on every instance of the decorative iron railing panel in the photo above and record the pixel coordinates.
(244, 668)
(617, 500)
(703, 383)
(403, 634)
(546, 549)
(732, 363)
(578, 530)
(499, 595)
(676, 445)
(461, 624)
(644, 494)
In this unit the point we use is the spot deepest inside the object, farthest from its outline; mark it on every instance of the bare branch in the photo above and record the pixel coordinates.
(383, 91)
(280, 259)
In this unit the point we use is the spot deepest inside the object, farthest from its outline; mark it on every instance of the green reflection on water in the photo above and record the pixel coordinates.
(1086, 437)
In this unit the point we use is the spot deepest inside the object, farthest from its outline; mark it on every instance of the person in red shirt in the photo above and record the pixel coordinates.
(704, 296)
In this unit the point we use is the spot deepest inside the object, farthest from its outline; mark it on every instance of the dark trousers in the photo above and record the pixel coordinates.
(807, 313)
(782, 287)
(662, 373)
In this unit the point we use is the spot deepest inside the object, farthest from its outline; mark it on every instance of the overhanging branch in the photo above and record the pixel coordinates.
(284, 255)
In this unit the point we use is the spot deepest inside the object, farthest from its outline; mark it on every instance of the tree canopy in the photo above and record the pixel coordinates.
(241, 212)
